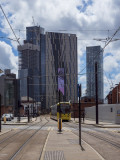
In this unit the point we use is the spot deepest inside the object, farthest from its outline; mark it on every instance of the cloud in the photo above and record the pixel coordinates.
(7, 58)
(110, 64)
(98, 19)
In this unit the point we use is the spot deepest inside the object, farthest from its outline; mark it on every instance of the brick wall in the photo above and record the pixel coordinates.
(75, 108)
(112, 96)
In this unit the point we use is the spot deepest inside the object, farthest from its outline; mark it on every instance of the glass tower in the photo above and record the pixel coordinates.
(61, 67)
(94, 54)
(49, 61)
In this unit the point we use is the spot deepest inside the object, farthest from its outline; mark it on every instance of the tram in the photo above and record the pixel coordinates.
(63, 108)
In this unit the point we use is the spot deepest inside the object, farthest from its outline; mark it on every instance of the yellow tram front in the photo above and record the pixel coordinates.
(61, 110)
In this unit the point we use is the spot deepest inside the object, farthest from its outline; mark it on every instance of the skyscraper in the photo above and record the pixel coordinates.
(61, 67)
(94, 54)
(32, 64)
(47, 64)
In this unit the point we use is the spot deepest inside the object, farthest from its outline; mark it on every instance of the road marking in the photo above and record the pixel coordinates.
(43, 151)
(111, 130)
(66, 129)
(52, 128)
(91, 148)
(49, 128)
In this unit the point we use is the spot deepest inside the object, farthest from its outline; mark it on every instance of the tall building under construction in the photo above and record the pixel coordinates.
(47, 64)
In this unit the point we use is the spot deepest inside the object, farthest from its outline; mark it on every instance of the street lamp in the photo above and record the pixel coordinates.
(117, 92)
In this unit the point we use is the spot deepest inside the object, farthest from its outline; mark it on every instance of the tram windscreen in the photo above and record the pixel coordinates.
(65, 108)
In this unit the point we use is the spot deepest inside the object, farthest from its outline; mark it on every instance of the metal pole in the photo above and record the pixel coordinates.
(0, 112)
(117, 94)
(74, 115)
(96, 87)
(28, 97)
(18, 111)
(59, 114)
(79, 115)
(33, 107)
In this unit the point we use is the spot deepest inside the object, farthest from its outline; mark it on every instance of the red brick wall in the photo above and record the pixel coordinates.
(112, 96)
(75, 108)
(9, 109)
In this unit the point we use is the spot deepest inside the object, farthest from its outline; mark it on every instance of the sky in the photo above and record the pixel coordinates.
(88, 19)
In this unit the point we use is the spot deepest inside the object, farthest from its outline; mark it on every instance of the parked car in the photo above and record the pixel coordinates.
(12, 116)
(8, 117)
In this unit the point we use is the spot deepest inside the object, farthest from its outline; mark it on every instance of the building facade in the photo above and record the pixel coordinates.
(94, 54)
(32, 64)
(114, 95)
(61, 67)
(9, 92)
(47, 64)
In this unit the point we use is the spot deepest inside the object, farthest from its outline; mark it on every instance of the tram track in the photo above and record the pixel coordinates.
(20, 140)
(111, 142)
(7, 138)
(113, 134)
(27, 141)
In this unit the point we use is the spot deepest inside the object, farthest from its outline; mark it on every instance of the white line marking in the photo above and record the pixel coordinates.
(91, 148)
(43, 152)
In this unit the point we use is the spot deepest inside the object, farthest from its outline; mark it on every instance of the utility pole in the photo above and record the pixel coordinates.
(33, 107)
(79, 115)
(59, 114)
(0, 112)
(28, 98)
(96, 89)
(117, 93)
(18, 111)
(0, 101)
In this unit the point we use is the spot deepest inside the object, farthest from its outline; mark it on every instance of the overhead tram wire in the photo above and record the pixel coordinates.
(107, 79)
(54, 31)
(109, 40)
(84, 30)
(58, 30)
(10, 25)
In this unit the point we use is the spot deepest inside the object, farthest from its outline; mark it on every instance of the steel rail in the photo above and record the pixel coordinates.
(104, 132)
(115, 144)
(22, 146)
(5, 139)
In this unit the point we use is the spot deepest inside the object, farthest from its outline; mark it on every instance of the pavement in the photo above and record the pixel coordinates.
(65, 146)
(23, 121)
(93, 122)
(3, 131)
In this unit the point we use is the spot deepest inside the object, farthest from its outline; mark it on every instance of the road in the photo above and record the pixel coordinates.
(27, 141)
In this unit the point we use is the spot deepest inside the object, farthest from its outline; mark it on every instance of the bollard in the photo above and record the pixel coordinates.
(4, 119)
(60, 124)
